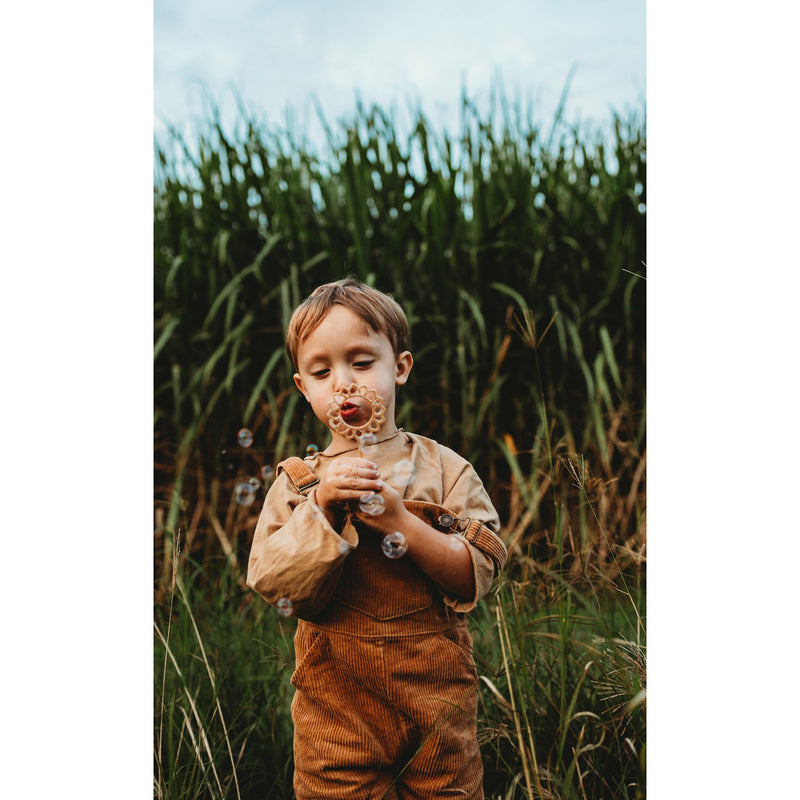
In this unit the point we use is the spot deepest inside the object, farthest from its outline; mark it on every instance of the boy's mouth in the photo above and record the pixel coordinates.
(349, 410)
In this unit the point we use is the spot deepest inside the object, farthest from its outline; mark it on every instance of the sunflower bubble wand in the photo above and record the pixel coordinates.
(355, 412)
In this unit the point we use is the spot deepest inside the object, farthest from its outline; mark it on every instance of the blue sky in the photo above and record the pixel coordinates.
(280, 54)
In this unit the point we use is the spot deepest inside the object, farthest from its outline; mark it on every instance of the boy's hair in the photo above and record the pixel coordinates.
(378, 310)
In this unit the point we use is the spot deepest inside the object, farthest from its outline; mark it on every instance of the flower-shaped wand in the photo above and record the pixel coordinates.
(355, 412)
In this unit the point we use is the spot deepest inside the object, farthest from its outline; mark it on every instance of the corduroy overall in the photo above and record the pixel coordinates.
(386, 686)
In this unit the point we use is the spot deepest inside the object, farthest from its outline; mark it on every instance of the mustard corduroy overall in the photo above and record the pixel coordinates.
(386, 686)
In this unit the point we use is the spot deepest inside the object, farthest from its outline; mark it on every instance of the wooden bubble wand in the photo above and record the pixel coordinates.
(346, 407)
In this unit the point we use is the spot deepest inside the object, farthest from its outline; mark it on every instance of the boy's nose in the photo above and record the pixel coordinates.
(342, 379)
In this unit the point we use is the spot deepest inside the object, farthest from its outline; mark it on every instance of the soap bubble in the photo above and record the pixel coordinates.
(343, 547)
(267, 472)
(394, 545)
(245, 437)
(456, 540)
(368, 444)
(403, 472)
(255, 483)
(372, 504)
(244, 494)
(312, 450)
(284, 606)
(316, 512)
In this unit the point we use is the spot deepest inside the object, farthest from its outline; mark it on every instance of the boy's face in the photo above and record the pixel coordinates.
(343, 350)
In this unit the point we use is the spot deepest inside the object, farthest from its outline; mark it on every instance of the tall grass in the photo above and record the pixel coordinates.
(561, 679)
(222, 665)
(519, 259)
(467, 231)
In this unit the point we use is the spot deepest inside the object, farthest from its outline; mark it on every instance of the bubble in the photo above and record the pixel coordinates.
(372, 504)
(343, 547)
(317, 513)
(245, 437)
(255, 483)
(403, 472)
(312, 450)
(284, 606)
(455, 541)
(368, 444)
(267, 472)
(244, 494)
(394, 545)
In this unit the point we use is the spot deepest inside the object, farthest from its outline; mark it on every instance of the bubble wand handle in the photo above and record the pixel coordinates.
(358, 413)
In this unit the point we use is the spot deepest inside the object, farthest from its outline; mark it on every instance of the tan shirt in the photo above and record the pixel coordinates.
(297, 555)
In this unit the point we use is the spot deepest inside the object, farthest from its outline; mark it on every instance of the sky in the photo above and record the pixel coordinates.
(279, 56)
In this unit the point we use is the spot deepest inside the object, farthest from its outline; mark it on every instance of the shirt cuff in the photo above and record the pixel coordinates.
(483, 572)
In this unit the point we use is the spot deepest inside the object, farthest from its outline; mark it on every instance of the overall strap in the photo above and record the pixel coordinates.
(487, 541)
(473, 530)
(301, 475)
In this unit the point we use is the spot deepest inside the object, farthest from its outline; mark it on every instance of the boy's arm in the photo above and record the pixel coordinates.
(444, 558)
(462, 570)
(296, 554)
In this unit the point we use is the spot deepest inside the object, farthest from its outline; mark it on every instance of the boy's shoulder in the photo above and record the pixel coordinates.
(440, 452)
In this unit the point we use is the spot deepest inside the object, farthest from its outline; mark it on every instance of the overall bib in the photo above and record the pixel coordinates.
(386, 698)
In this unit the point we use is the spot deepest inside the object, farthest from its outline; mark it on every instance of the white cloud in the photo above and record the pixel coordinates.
(280, 54)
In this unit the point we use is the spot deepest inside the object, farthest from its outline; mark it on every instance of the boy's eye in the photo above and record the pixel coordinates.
(362, 363)
(320, 373)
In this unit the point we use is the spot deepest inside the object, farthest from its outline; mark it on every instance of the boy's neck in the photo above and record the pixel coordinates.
(341, 444)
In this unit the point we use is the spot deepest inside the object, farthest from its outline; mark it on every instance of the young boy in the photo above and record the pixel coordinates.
(386, 687)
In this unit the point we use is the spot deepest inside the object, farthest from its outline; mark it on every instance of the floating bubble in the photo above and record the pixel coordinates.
(317, 513)
(403, 472)
(267, 472)
(343, 547)
(372, 504)
(255, 483)
(245, 437)
(368, 444)
(312, 450)
(244, 494)
(394, 545)
(285, 607)
(456, 540)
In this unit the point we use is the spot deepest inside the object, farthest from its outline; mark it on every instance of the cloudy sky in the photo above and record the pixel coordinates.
(279, 54)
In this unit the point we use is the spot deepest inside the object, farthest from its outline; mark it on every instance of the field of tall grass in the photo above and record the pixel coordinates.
(518, 254)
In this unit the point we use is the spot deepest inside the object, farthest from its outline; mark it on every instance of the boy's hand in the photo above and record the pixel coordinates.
(394, 512)
(347, 479)
(443, 558)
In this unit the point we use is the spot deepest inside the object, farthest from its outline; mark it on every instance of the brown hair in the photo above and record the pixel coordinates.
(378, 310)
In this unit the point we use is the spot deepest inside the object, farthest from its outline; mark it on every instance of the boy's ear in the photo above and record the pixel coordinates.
(298, 382)
(403, 367)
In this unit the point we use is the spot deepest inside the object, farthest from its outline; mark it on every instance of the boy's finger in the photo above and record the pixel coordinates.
(361, 485)
(350, 473)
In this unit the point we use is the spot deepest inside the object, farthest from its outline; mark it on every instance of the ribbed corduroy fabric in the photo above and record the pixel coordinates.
(392, 711)
(386, 686)
(391, 717)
